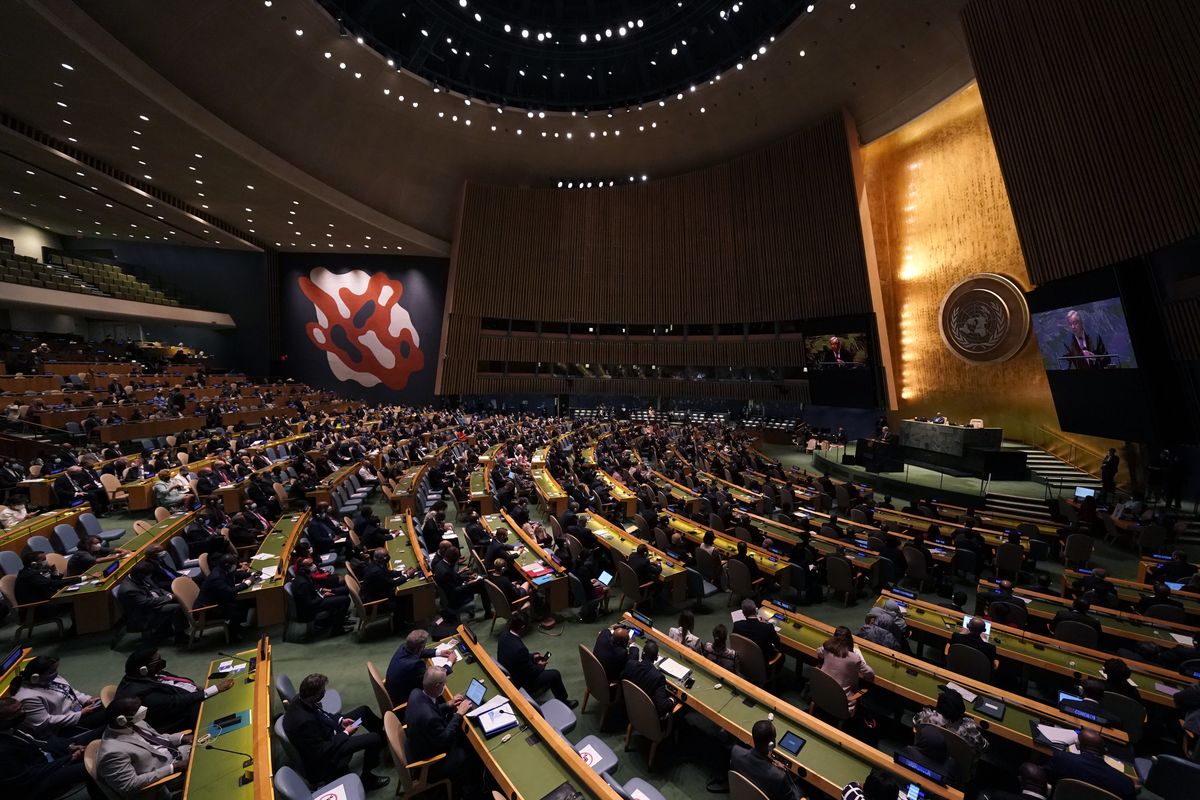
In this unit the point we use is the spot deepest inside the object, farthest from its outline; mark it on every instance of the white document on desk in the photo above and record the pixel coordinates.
(673, 668)
(966, 694)
(495, 702)
(1056, 735)
(1181, 639)
(262, 557)
(737, 616)
(269, 572)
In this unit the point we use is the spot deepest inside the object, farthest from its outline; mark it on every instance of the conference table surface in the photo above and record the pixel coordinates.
(405, 552)
(550, 490)
(16, 537)
(619, 492)
(830, 758)
(624, 543)
(1119, 624)
(767, 563)
(23, 657)
(1041, 652)
(92, 596)
(528, 763)
(532, 556)
(1131, 592)
(859, 555)
(921, 682)
(215, 774)
(274, 552)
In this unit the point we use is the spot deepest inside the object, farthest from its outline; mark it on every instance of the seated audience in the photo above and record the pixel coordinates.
(326, 742)
(682, 632)
(839, 659)
(951, 714)
(52, 706)
(528, 670)
(647, 677)
(613, 652)
(435, 727)
(758, 765)
(719, 651)
(33, 767)
(1089, 766)
(929, 750)
(133, 754)
(173, 701)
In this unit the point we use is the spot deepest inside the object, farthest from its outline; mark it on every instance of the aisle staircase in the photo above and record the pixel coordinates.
(1054, 472)
(1021, 507)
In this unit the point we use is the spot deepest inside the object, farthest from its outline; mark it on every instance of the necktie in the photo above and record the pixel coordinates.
(160, 742)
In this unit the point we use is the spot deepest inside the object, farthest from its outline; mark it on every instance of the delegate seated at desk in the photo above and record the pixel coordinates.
(757, 765)
(133, 754)
(435, 727)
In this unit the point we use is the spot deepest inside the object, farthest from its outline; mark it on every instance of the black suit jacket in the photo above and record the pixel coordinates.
(497, 549)
(515, 657)
(24, 761)
(646, 677)
(220, 588)
(646, 570)
(761, 633)
(65, 489)
(611, 657)
(987, 648)
(379, 582)
(405, 672)
(772, 780)
(33, 585)
(169, 709)
(432, 726)
(316, 734)
(1090, 769)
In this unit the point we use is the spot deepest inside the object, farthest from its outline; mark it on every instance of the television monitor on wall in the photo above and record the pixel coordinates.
(1085, 336)
(837, 351)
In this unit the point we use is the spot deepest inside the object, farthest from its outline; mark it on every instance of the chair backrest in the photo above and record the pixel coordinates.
(828, 695)
(183, 457)
(289, 749)
(751, 662)
(58, 561)
(1130, 712)
(740, 788)
(90, 755)
(394, 732)
(839, 574)
(382, 699)
(1018, 613)
(609, 779)
(629, 582)
(1010, 556)
(708, 565)
(161, 514)
(111, 483)
(740, 582)
(1071, 789)
(8, 588)
(10, 562)
(1076, 633)
(960, 750)
(915, 560)
(1078, 548)
(68, 539)
(969, 662)
(642, 525)
(500, 605)
(39, 544)
(1171, 775)
(716, 523)
(857, 515)
(594, 676)
(205, 567)
(661, 540)
(91, 525)
(643, 716)
(186, 591)
(1167, 612)
(284, 688)
(290, 786)
(108, 694)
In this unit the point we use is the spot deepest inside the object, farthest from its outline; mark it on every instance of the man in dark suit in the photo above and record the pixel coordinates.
(459, 587)
(407, 667)
(1099, 589)
(149, 606)
(325, 742)
(1088, 765)
(76, 485)
(1034, 785)
(326, 607)
(1177, 570)
(645, 675)
(1161, 597)
(613, 652)
(1078, 612)
(435, 728)
(34, 767)
(502, 574)
(322, 532)
(1082, 347)
(379, 582)
(973, 638)
(647, 571)
(499, 547)
(37, 580)
(220, 589)
(759, 767)
(1108, 472)
(761, 633)
(528, 670)
(173, 701)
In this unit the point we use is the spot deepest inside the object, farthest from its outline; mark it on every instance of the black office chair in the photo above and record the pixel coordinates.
(1076, 633)
(969, 662)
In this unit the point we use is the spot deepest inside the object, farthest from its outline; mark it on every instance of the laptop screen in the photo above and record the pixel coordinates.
(1082, 492)
(476, 691)
(987, 626)
(605, 578)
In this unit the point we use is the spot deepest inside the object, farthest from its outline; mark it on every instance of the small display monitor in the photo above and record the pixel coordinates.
(11, 658)
(1083, 491)
(476, 692)
(605, 578)
(791, 743)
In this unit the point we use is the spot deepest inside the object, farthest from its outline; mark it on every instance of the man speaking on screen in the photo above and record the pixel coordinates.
(1083, 349)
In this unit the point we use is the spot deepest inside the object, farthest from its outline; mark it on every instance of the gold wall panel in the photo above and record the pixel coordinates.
(939, 214)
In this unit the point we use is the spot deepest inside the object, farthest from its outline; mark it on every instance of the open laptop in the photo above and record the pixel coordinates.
(605, 578)
(1082, 492)
(476, 692)
(987, 626)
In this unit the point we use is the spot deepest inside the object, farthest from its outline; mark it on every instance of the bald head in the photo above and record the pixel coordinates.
(1090, 741)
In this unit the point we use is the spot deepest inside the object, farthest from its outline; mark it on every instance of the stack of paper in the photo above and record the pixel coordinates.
(1056, 735)
(673, 668)
(966, 694)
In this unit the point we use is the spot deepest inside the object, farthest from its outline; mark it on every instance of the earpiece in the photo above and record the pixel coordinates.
(121, 721)
(143, 671)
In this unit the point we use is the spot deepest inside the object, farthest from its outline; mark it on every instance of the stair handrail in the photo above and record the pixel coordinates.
(1073, 445)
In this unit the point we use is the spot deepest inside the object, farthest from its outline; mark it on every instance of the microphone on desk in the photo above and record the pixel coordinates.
(249, 762)
(251, 664)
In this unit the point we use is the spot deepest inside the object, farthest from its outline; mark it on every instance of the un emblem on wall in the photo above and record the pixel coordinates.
(984, 318)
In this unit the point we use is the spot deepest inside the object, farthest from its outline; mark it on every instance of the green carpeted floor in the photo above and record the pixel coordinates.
(681, 772)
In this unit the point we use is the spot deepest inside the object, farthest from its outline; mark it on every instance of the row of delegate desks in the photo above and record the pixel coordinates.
(774, 566)
(534, 760)
(1148, 564)
(221, 775)
(556, 590)
(676, 492)
(830, 758)
(481, 488)
(94, 607)
(404, 550)
(16, 537)
(274, 553)
(549, 491)
(1118, 624)
(920, 682)
(1131, 592)
(1036, 652)
(625, 498)
(233, 495)
(622, 543)
(330, 483)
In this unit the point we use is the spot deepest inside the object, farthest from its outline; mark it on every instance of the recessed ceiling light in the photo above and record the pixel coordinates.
(299, 32)
(61, 103)
(248, 186)
(68, 67)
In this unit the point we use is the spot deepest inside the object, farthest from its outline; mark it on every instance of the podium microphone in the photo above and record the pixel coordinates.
(249, 762)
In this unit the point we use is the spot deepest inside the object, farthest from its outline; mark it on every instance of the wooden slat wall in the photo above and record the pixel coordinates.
(774, 235)
(1094, 107)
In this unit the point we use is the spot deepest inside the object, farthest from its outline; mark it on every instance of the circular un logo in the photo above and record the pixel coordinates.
(984, 318)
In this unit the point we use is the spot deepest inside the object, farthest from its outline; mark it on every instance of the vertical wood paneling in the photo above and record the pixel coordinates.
(773, 235)
(1094, 108)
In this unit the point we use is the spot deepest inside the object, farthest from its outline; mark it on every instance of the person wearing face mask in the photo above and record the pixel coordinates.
(133, 755)
(327, 742)
(31, 766)
(90, 553)
(164, 493)
(52, 707)
(149, 606)
(14, 513)
(37, 580)
(326, 607)
(173, 701)
(380, 581)
(77, 485)
(220, 589)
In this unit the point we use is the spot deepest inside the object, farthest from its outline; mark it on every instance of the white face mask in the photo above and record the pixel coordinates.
(139, 716)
